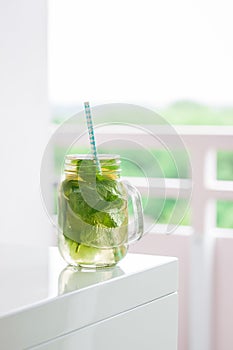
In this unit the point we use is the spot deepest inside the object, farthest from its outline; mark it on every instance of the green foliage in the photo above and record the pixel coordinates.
(192, 113)
(179, 113)
(225, 165)
(167, 211)
(225, 214)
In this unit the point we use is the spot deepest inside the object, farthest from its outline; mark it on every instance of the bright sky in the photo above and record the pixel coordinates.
(141, 51)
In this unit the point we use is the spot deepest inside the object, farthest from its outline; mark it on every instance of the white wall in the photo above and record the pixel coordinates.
(24, 120)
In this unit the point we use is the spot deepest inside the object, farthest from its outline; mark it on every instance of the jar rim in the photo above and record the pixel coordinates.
(89, 156)
(79, 163)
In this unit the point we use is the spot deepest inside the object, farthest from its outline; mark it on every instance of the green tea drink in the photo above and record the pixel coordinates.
(92, 212)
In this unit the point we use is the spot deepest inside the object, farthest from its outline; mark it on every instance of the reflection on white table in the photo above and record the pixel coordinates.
(49, 305)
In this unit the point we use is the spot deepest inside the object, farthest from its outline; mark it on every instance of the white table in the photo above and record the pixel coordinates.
(48, 306)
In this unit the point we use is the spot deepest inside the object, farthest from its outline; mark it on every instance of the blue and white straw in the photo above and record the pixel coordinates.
(92, 135)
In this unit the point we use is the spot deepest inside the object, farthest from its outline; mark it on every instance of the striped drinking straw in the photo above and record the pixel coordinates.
(92, 135)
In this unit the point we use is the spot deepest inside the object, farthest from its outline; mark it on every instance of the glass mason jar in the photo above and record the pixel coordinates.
(93, 215)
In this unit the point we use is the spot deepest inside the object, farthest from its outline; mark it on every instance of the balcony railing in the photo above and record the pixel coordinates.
(202, 143)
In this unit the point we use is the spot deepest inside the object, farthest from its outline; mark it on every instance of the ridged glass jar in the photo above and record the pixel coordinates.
(93, 212)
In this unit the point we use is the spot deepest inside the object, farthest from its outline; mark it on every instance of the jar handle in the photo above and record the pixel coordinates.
(135, 195)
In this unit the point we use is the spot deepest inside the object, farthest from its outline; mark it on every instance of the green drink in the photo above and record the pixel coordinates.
(92, 212)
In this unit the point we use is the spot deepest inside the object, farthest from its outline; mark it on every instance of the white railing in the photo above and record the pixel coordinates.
(202, 143)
